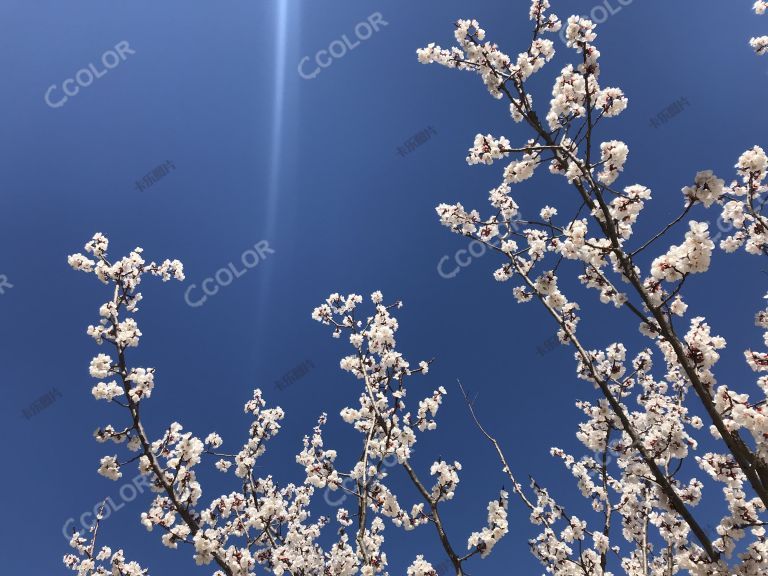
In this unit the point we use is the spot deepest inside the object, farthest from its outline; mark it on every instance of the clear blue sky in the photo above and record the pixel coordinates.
(311, 167)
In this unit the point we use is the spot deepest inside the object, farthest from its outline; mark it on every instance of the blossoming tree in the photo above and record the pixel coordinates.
(646, 500)
(263, 524)
(642, 415)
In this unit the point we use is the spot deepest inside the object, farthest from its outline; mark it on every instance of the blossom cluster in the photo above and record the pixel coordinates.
(760, 43)
(743, 202)
(264, 524)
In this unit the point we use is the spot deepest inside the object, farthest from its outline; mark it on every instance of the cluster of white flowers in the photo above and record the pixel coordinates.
(497, 527)
(495, 67)
(691, 257)
(739, 411)
(743, 204)
(447, 480)
(390, 430)
(580, 32)
(760, 43)
(707, 189)
(421, 567)
(613, 155)
(486, 149)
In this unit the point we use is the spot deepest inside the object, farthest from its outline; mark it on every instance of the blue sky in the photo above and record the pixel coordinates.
(311, 167)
